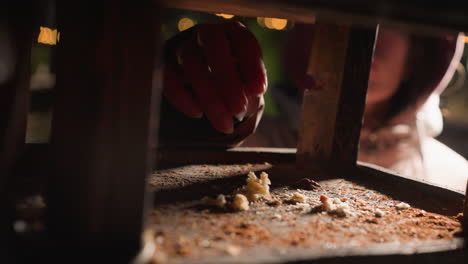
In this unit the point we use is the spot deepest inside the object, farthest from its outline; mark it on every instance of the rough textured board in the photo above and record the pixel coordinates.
(320, 104)
(429, 17)
(103, 121)
(190, 232)
(353, 95)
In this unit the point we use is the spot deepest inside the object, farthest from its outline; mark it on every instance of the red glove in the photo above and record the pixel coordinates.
(214, 69)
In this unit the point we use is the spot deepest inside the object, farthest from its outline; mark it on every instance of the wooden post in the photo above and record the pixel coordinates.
(16, 28)
(15, 57)
(320, 105)
(352, 102)
(332, 111)
(105, 117)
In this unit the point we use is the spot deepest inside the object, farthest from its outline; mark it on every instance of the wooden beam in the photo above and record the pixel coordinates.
(16, 27)
(15, 57)
(332, 112)
(320, 104)
(352, 100)
(105, 121)
(423, 16)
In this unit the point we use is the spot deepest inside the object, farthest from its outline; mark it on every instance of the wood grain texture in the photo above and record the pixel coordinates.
(352, 100)
(429, 17)
(320, 104)
(104, 120)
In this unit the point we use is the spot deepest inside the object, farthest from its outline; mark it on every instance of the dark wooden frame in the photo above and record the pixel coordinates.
(105, 117)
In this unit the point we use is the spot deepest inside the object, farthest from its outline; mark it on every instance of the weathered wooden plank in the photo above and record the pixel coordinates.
(320, 104)
(15, 57)
(424, 16)
(353, 95)
(16, 28)
(104, 121)
(340, 62)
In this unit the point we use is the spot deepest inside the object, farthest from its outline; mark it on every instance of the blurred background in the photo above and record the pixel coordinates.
(272, 34)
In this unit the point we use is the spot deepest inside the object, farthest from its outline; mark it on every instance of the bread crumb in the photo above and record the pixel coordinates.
(277, 216)
(335, 206)
(256, 188)
(233, 250)
(379, 213)
(182, 247)
(240, 203)
(205, 243)
(402, 206)
(298, 198)
(274, 203)
(307, 184)
(220, 201)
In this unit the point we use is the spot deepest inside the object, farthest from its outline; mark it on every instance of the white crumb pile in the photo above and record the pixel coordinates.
(336, 206)
(240, 203)
(402, 206)
(298, 198)
(254, 190)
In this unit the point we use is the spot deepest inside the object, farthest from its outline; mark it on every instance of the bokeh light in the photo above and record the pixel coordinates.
(226, 16)
(279, 23)
(185, 23)
(272, 23)
(261, 21)
(48, 36)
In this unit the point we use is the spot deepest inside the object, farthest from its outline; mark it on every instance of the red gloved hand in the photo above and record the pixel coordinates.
(214, 69)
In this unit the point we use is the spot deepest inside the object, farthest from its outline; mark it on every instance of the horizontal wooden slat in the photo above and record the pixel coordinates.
(425, 16)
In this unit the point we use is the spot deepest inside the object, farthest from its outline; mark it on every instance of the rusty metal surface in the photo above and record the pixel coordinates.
(187, 231)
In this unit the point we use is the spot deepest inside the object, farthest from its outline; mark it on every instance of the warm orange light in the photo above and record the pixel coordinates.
(261, 21)
(272, 23)
(268, 22)
(48, 36)
(226, 16)
(279, 23)
(185, 23)
(466, 39)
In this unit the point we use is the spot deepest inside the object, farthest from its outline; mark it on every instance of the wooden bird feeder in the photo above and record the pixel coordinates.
(102, 152)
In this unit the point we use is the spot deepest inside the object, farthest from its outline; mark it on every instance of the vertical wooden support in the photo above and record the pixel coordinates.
(15, 58)
(16, 28)
(332, 112)
(352, 102)
(104, 121)
(320, 105)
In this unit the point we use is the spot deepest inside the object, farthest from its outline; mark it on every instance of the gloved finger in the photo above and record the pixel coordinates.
(246, 49)
(213, 40)
(177, 93)
(196, 71)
